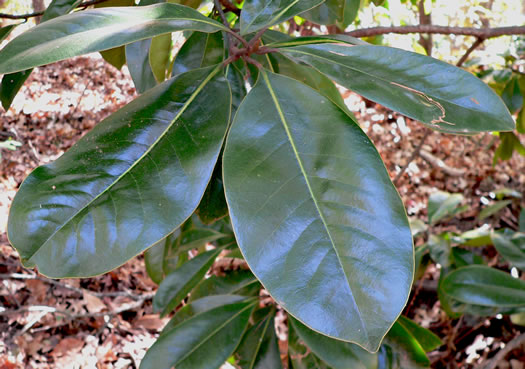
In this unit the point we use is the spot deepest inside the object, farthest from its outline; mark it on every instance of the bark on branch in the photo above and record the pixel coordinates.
(482, 33)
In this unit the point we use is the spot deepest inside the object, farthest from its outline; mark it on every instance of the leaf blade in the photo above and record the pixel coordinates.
(292, 182)
(400, 80)
(97, 30)
(92, 187)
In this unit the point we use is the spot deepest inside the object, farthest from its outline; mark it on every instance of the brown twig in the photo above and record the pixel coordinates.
(473, 47)
(500, 356)
(483, 33)
(229, 7)
(38, 14)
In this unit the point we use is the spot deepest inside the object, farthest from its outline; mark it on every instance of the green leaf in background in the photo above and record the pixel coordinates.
(96, 30)
(5, 31)
(176, 286)
(300, 356)
(238, 86)
(440, 250)
(481, 285)
(501, 193)
(512, 96)
(302, 201)
(511, 245)
(12, 82)
(213, 205)
(204, 341)
(337, 354)
(464, 257)
(199, 50)
(58, 8)
(339, 12)
(258, 14)
(425, 338)
(241, 282)
(137, 57)
(509, 143)
(475, 237)
(133, 179)
(154, 260)
(448, 99)
(417, 226)
(493, 209)
(10, 85)
(116, 56)
(443, 205)
(522, 220)
(159, 56)
(258, 348)
(278, 39)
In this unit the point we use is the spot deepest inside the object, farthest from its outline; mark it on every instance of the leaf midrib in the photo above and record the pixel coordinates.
(303, 171)
(152, 146)
(384, 80)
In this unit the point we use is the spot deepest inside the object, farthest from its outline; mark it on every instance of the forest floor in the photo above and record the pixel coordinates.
(107, 321)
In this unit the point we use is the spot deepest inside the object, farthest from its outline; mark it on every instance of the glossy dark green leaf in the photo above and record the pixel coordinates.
(481, 285)
(337, 354)
(10, 85)
(58, 8)
(339, 12)
(258, 14)
(116, 56)
(258, 348)
(154, 260)
(326, 234)
(159, 56)
(312, 78)
(522, 220)
(442, 205)
(176, 286)
(137, 57)
(200, 306)
(511, 246)
(241, 282)
(493, 209)
(204, 341)
(428, 90)
(96, 30)
(213, 204)
(426, 338)
(422, 261)
(125, 185)
(199, 50)
(400, 336)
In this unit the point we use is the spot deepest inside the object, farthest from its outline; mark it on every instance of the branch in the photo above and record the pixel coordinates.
(38, 14)
(500, 356)
(465, 56)
(415, 153)
(483, 33)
